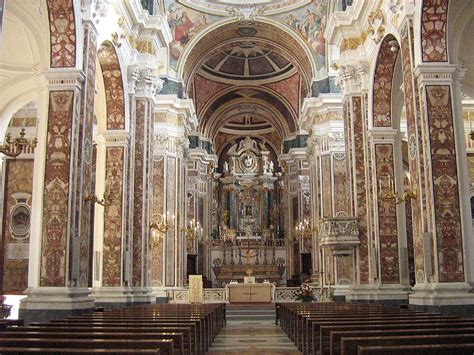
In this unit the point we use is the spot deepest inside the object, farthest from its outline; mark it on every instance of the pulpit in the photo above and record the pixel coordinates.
(250, 293)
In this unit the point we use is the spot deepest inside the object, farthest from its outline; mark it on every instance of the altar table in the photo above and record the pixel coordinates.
(253, 292)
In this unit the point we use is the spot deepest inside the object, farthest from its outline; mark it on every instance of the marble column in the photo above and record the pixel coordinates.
(447, 232)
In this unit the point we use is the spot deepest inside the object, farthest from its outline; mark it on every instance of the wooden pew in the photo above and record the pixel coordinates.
(349, 345)
(59, 351)
(185, 331)
(176, 337)
(431, 349)
(165, 346)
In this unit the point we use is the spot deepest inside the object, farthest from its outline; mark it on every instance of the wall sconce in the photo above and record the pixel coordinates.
(391, 195)
(159, 225)
(304, 230)
(14, 147)
(106, 199)
(193, 231)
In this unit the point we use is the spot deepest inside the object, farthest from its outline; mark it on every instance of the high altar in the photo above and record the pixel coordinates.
(249, 225)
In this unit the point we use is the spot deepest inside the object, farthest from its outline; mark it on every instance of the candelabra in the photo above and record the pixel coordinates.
(303, 230)
(193, 231)
(159, 225)
(14, 147)
(391, 195)
(106, 199)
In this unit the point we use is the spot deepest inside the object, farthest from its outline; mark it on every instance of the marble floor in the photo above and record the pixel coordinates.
(252, 330)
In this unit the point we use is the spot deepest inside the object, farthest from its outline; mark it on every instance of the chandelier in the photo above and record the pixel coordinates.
(14, 147)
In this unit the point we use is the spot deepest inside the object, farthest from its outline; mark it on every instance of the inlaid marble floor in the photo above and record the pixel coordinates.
(252, 331)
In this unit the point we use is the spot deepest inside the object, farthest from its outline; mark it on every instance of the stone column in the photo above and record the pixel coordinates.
(142, 121)
(59, 287)
(110, 288)
(353, 81)
(447, 233)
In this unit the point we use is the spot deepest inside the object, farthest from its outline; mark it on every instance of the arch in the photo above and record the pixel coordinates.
(63, 33)
(458, 19)
(433, 20)
(271, 29)
(382, 83)
(113, 86)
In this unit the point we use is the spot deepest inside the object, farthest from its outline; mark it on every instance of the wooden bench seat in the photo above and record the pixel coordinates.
(349, 345)
(165, 346)
(431, 349)
(186, 331)
(176, 337)
(58, 351)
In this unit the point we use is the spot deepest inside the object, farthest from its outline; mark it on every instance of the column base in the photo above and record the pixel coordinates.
(391, 295)
(112, 297)
(43, 304)
(442, 294)
(142, 295)
(160, 295)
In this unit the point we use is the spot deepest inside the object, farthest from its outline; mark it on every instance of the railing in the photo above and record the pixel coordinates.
(339, 232)
(219, 295)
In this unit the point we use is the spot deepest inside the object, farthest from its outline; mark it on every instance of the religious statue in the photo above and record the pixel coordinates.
(270, 167)
(248, 161)
(226, 168)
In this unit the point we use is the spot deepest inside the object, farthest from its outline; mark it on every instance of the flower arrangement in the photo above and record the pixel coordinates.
(305, 293)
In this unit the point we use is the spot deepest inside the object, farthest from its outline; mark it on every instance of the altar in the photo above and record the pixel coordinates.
(251, 292)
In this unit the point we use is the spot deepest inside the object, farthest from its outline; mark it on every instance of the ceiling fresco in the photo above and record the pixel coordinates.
(188, 18)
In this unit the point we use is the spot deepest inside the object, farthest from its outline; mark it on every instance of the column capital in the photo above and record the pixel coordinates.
(59, 79)
(384, 134)
(351, 78)
(113, 138)
(437, 74)
(149, 84)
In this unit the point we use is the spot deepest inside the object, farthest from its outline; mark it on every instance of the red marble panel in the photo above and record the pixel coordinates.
(62, 28)
(414, 142)
(113, 84)
(18, 179)
(434, 20)
(348, 144)
(360, 186)
(56, 189)
(157, 207)
(141, 108)
(326, 186)
(382, 99)
(207, 90)
(290, 90)
(387, 217)
(85, 151)
(445, 184)
(341, 184)
(345, 270)
(113, 223)
(171, 196)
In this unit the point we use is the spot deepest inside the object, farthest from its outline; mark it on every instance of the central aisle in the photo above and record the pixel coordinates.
(251, 329)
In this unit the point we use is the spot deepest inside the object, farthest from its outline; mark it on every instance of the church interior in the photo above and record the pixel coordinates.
(193, 155)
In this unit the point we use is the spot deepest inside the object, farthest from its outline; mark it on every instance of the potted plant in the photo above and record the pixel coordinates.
(305, 293)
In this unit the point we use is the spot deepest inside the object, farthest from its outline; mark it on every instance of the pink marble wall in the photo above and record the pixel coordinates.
(62, 28)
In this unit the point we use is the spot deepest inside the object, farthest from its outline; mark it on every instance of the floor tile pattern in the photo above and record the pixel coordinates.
(252, 330)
